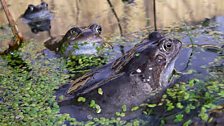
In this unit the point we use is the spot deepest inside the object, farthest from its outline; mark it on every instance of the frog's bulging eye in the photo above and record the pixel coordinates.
(167, 46)
(45, 5)
(98, 29)
(75, 31)
(31, 7)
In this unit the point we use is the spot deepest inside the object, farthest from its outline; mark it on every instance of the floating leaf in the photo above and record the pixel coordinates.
(134, 108)
(137, 54)
(179, 118)
(151, 105)
(187, 123)
(179, 105)
(92, 104)
(124, 108)
(81, 99)
(120, 114)
(98, 109)
(100, 91)
(61, 97)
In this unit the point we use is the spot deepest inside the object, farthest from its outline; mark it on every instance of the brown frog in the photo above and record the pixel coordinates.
(77, 41)
(142, 73)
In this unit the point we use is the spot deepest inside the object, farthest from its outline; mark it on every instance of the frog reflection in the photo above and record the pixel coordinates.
(38, 17)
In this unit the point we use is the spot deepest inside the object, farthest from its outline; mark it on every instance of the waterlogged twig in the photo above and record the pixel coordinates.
(18, 36)
(117, 18)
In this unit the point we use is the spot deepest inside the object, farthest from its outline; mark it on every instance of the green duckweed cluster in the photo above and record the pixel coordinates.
(27, 92)
(27, 97)
(186, 101)
(79, 64)
(82, 63)
(28, 82)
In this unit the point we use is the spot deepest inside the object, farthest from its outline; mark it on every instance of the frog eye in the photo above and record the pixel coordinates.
(75, 30)
(45, 5)
(167, 46)
(31, 7)
(98, 29)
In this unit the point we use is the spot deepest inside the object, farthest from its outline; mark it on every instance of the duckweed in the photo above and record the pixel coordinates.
(28, 96)
(100, 91)
(95, 106)
(124, 108)
(82, 63)
(81, 99)
(27, 87)
(28, 83)
(135, 108)
(120, 114)
(184, 100)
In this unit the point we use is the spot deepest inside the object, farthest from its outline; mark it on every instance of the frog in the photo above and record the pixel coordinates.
(82, 47)
(38, 17)
(78, 41)
(140, 75)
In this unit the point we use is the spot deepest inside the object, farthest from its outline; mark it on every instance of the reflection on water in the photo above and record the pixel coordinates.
(38, 17)
(133, 17)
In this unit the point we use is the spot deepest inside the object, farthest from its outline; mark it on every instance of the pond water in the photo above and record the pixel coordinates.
(198, 24)
(133, 17)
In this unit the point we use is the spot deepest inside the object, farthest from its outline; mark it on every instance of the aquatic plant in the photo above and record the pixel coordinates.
(27, 91)
(82, 63)
(185, 101)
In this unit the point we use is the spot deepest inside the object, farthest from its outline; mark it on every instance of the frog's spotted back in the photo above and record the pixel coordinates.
(146, 54)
